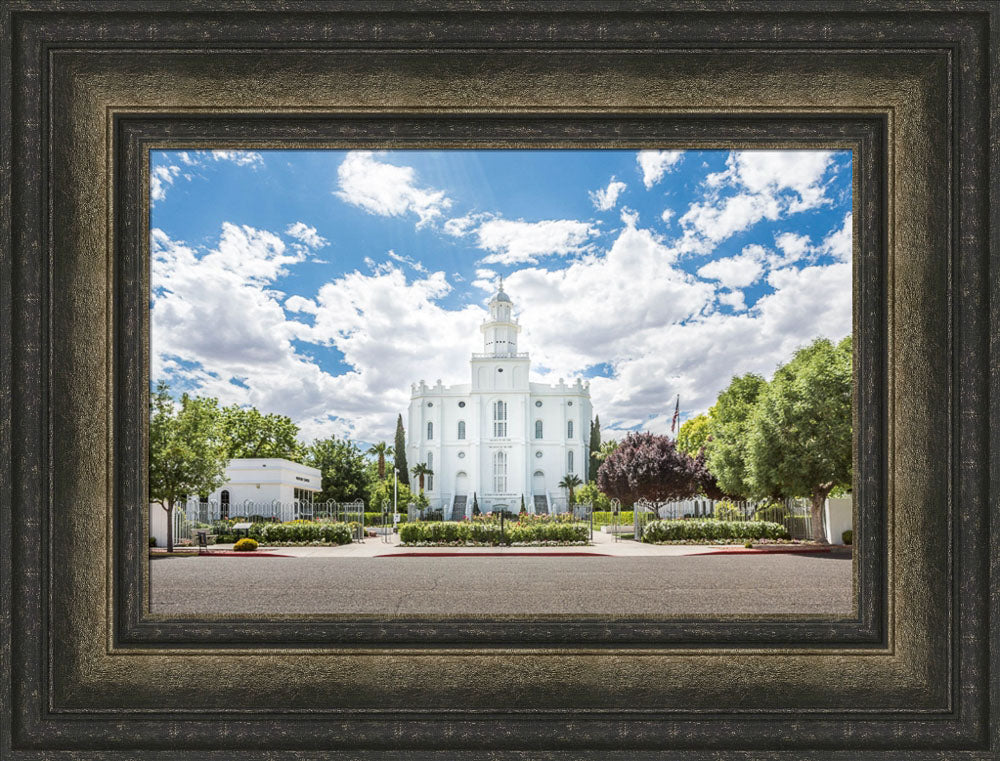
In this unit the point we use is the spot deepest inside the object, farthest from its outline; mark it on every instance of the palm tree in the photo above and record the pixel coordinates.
(570, 481)
(381, 450)
(420, 470)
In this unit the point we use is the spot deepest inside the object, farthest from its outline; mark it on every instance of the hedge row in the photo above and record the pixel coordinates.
(320, 533)
(604, 517)
(474, 532)
(685, 530)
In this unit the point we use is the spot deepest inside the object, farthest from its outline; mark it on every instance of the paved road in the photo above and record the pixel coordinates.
(394, 586)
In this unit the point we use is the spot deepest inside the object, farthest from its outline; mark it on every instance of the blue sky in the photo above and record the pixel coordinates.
(320, 284)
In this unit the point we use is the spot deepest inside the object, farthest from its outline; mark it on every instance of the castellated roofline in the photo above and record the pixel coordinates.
(422, 389)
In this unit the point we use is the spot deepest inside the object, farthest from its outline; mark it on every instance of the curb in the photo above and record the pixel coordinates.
(493, 555)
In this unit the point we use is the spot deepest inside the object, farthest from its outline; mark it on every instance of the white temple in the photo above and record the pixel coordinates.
(499, 437)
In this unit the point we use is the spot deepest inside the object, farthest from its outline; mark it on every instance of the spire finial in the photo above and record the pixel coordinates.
(501, 282)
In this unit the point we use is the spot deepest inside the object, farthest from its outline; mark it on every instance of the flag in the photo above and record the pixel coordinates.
(677, 414)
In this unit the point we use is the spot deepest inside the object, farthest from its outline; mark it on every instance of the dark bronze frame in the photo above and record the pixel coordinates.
(94, 85)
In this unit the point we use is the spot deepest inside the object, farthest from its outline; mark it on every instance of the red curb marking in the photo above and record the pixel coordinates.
(493, 555)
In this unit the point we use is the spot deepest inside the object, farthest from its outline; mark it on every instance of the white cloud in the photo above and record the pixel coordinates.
(660, 330)
(734, 299)
(409, 261)
(667, 215)
(386, 189)
(308, 235)
(795, 247)
(513, 242)
(605, 199)
(461, 226)
(220, 327)
(160, 177)
(838, 243)
(734, 271)
(655, 164)
(768, 184)
(251, 159)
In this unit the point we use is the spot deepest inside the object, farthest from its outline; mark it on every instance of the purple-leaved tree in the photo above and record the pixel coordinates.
(647, 466)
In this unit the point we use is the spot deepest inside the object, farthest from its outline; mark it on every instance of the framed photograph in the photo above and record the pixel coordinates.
(559, 379)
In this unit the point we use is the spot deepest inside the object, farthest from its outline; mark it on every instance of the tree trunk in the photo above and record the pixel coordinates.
(818, 501)
(170, 526)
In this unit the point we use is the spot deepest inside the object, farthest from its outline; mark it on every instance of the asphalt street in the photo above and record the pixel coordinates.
(697, 585)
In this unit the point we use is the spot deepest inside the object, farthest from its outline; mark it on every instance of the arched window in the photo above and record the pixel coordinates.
(538, 429)
(569, 429)
(500, 471)
(224, 505)
(461, 429)
(430, 431)
(569, 461)
(430, 466)
(500, 420)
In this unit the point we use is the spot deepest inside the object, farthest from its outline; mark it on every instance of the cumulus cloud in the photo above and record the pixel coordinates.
(308, 235)
(734, 271)
(160, 177)
(733, 299)
(659, 329)
(515, 242)
(163, 176)
(386, 189)
(220, 326)
(605, 199)
(240, 158)
(655, 164)
(763, 185)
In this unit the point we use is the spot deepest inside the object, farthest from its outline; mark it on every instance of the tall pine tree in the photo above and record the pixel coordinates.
(595, 447)
(399, 452)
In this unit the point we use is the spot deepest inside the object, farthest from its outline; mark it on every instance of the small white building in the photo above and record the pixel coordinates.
(500, 437)
(261, 480)
(253, 486)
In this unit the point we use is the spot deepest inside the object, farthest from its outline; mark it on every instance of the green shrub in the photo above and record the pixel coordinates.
(488, 532)
(726, 511)
(712, 530)
(152, 541)
(301, 533)
(246, 544)
(603, 518)
(848, 537)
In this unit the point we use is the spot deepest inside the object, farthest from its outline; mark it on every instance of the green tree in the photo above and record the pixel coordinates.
(343, 468)
(248, 433)
(381, 451)
(187, 454)
(595, 446)
(523, 509)
(590, 493)
(475, 504)
(729, 421)
(799, 440)
(420, 470)
(399, 452)
(380, 494)
(570, 482)
(693, 435)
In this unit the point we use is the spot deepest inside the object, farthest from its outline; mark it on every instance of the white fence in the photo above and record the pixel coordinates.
(209, 511)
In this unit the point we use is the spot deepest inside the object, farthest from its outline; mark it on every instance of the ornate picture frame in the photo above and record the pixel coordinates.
(94, 85)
